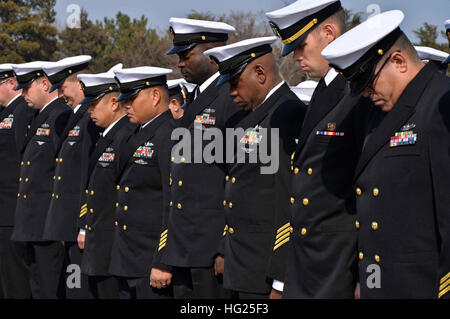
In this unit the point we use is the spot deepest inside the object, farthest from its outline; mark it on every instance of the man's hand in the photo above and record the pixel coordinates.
(275, 294)
(80, 240)
(219, 265)
(358, 291)
(160, 278)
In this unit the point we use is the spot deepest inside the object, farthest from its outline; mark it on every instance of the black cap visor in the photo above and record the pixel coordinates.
(90, 99)
(181, 48)
(125, 96)
(228, 76)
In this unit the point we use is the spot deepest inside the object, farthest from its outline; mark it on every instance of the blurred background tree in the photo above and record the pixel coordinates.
(27, 30)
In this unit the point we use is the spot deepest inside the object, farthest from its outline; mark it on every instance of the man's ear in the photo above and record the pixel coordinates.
(260, 73)
(156, 96)
(115, 105)
(46, 85)
(329, 32)
(399, 62)
(174, 104)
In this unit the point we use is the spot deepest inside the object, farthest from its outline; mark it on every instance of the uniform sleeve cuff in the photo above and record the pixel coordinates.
(278, 285)
(83, 232)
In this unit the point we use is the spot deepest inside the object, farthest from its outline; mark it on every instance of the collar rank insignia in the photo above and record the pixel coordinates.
(408, 127)
(403, 138)
(107, 157)
(7, 123)
(43, 132)
(148, 144)
(144, 152)
(205, 118)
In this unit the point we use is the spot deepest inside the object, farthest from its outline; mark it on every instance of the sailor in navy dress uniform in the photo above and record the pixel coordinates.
(14, 120)
(80, 133)
(196, 216)
(36, 180)
(255, 200)
(432, 55)
(403, 175)
(322, 247)
(100, 196)
(143, 191)
(177, 94)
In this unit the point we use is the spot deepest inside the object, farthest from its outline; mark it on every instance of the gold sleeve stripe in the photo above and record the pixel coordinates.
(283, 233)
(299, 33)
(161, 247)
(447, 276)
(282, 238)
(162, 241)
(85, 205)
(281, 244)
(164, 232)
(224, 233)
(164, 237)
(443, 292)
(82, 213)
(445, 284)
(283, 227)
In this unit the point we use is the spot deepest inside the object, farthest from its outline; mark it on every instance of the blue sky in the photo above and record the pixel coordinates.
(158, 12)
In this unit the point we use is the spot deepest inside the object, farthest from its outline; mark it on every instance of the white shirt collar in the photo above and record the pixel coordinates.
(208, 82)
(13, 99)
(40, 111)
(331, 75)
(144, 125)
(271, 92)
(75, 110)
(111, 126)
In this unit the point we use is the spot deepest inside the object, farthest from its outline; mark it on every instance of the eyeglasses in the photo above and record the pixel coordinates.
(371, 85)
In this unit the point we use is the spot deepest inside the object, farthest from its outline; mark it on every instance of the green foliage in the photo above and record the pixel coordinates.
(27, 30)
(28, 33)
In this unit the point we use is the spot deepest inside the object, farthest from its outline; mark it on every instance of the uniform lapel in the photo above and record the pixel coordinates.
(128, 149)
(200, 103)
(263, 110)
(323, 102)
(104, 142)
(393, 121)
(38, 120)
(74, 119)
(5, 111)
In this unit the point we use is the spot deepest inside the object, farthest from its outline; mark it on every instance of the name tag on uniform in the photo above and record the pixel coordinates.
(144, 152)
(43, 132)
(403, 138)
(107, 157)
(7, 123)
